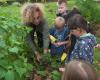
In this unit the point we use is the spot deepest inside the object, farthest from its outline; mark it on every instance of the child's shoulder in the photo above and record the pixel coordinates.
(52, 30)
(82, 43)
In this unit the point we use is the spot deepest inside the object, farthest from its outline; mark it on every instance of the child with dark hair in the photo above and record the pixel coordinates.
(72, 37)
(83, 49)
(79, 70)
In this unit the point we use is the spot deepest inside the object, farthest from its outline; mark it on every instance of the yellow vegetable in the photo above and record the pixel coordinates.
(53, 39)
(63, 57)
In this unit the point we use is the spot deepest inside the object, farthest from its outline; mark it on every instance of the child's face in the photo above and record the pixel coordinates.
(59, 25)
(76, 32)
(62, 9)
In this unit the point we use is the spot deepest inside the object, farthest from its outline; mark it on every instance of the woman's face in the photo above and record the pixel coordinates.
(37, 18)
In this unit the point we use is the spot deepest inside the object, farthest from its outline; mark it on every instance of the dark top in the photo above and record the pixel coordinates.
(42, 32)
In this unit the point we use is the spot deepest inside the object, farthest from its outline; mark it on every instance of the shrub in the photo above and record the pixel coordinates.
(89, 9)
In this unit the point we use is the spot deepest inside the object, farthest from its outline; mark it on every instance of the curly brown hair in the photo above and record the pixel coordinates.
(28, 10)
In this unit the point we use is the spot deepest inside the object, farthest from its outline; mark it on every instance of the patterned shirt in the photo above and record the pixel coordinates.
(84, 48)
(60, 36)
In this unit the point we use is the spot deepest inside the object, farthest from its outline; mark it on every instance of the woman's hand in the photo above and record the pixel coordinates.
(38, 56)
(45, 51)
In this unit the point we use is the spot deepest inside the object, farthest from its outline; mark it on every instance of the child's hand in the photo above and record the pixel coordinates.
(62, 70)
(56, 44)
(97, 46)
(59, 43)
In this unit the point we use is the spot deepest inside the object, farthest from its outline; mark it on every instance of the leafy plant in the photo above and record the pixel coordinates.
(13, 63)
(56, 75)
(89, 9)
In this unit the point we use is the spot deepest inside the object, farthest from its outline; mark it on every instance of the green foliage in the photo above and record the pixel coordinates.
(13, 63)
(13, 50)
(13, 60)
(89, 9)
(56, 75)
(50, 10)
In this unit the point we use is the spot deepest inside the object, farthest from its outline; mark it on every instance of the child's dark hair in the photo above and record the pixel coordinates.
(61, 1)
(78, 21)
(71, 13)
(79, 70)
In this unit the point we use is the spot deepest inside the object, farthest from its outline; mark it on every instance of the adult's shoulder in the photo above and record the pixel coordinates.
(44, 21)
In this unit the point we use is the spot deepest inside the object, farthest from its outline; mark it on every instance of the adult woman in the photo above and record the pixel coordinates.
(33, 16)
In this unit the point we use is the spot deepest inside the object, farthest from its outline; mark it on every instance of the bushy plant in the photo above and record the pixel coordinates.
(90, 9)
(13, 63)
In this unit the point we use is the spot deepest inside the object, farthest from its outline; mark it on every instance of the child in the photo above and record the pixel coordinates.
(84, 46)
(60, 32)
(79, 70)
(72, 37)
(33, 16)
(62, 10)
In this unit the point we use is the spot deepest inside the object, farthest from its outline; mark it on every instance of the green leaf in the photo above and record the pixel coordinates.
(2, 55)
(20, 71)
(9, 75)
(42, 73)
(2, 72)
(29, 67)
(56, 75)
(18, 63)
(13, 50)
(2, 44)
(4, 63)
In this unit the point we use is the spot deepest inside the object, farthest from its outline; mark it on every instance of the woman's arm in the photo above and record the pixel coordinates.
(45, 36)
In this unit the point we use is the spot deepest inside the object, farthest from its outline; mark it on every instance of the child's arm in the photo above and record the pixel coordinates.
(29, 40)
(63, 43)
(45, 36)
(67, 41)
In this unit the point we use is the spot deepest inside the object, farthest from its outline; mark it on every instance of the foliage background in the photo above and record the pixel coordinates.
(13, 49)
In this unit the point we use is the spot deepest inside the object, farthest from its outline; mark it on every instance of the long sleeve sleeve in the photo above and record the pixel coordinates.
(45, 35)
